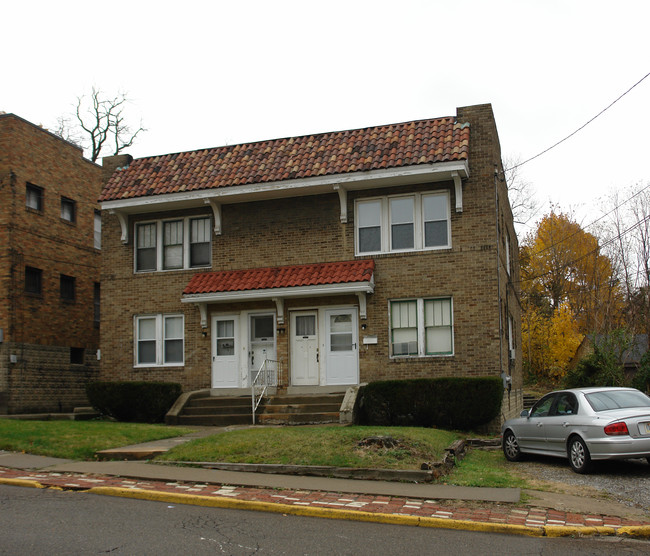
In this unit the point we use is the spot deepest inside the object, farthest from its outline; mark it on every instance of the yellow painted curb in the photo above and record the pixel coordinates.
(21, 483)
(636, 531)
(310, 511)
(573, 531)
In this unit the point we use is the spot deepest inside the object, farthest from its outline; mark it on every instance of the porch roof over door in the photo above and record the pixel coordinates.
(280, 282)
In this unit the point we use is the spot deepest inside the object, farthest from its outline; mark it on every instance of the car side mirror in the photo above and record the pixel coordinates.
(525, 413)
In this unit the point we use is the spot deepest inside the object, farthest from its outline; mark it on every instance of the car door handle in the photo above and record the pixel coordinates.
(565, 424)
(539, 424)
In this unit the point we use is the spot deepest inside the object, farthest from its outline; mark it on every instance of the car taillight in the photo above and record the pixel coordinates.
(616, 429)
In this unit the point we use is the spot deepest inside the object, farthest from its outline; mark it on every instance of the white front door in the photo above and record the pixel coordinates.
(262, 343)
(304, 349)
(342, 346)
(225, 352)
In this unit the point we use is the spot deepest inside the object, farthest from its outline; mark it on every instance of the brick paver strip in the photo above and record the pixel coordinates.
(531, 517)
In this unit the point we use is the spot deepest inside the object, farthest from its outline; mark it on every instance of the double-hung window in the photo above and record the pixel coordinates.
(146, 250)
(200, 242)
(68, 210)
(97, 232)
(173, 244)
(396, 223)
(34, 197)
(421, 327)
(159, 340)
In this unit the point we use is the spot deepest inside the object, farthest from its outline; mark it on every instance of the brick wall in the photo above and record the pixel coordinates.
(43, 240)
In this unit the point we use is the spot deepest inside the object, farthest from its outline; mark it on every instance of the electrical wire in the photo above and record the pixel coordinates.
(580, 128)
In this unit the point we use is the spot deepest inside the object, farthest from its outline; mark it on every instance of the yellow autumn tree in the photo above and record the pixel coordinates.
(549, 343)
(568, 290)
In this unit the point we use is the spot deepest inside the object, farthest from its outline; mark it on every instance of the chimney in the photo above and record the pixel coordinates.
(112, 163)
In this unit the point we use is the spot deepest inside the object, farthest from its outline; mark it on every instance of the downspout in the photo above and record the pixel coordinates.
(498, 261)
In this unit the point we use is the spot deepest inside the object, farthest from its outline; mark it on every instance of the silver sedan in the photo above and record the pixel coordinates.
(582, 424)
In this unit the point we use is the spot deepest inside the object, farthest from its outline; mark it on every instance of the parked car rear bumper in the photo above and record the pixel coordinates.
(622, 447)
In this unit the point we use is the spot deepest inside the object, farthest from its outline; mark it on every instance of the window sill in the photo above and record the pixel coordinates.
(404, 251)
(398, 358)
(167, 270)
(157, 367)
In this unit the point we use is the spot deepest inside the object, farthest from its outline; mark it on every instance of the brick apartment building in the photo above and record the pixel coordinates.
(346, 257)
(50, 233)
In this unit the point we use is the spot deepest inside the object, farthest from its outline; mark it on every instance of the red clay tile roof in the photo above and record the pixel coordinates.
(281, 277)
(340, 152)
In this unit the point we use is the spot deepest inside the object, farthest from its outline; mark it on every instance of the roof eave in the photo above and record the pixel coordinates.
(367, 286)
(318, 185)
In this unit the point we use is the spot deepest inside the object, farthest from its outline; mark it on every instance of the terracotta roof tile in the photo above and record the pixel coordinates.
(357, 150)
(281, 277)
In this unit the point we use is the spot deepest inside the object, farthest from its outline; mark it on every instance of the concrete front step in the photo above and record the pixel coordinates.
(215, 420)
(284, 409)
(218, 410)
(272, 408)
(297, 418)
(306, 399)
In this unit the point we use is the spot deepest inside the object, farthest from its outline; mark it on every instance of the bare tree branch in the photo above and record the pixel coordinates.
(102, 121)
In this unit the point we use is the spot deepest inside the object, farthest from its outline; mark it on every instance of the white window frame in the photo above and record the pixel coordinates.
(160, 321)
(418, 222)
(160, 247)
(421, 328)
(97, 229)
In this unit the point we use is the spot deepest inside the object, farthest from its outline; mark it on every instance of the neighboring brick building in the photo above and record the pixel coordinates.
(353, 256)
(49, 270)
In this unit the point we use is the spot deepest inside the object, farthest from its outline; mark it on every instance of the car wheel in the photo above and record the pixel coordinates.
(511, 446)
(579, 455)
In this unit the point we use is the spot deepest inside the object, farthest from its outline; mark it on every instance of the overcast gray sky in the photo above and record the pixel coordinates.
(203, 74)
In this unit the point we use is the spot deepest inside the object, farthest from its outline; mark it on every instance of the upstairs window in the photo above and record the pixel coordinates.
(173, 244)
(34, 197)
(398, 223)
(33, 280)
(200, 247)
(68, 209)
(67, 288)
(146, 247)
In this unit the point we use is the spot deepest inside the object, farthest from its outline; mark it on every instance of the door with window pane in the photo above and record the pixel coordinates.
(262, 343)
(225, 353)
(304, 349)
(341, 346)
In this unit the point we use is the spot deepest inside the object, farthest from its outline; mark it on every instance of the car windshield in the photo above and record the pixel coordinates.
(617, 399)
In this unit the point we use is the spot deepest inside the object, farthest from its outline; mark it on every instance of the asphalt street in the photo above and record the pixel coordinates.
(36, 521)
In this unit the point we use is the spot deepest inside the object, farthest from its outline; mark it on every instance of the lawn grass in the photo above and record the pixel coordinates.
(323, 445)
(78, 440)
(484, 468)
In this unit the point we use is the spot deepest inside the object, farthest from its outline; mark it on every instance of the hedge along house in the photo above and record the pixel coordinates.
(332, 259)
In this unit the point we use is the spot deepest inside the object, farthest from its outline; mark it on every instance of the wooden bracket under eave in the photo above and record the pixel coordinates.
(124, 224)
(216, 211)
(458, 186)
(343, 200)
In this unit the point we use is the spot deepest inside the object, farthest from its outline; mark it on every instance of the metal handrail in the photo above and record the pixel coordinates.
(266, 376)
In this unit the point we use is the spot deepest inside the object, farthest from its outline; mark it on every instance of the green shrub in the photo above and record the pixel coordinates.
(451, 403)
(139, 402)
(603, 367)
